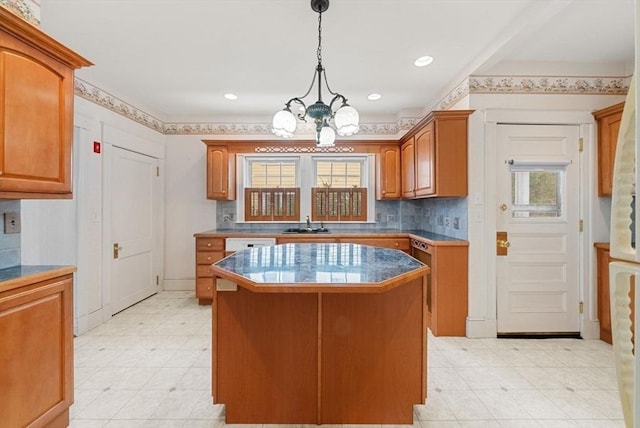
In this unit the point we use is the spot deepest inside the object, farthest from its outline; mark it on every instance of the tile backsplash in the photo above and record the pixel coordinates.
(444, 216)
(9, 242)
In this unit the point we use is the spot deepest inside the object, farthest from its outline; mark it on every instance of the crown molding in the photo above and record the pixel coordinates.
(472, 85)
(96, 95)
(563, 85)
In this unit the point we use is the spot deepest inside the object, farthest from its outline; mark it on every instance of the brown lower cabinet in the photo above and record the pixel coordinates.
(447, 285)
(603, 258)
(36, 352)
(208, 251)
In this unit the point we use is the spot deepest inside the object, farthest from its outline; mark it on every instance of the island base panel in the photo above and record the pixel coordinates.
(265, 357)
(373, 356)
(371, 349)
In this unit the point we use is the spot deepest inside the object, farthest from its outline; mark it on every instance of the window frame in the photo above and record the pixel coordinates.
(306, 162)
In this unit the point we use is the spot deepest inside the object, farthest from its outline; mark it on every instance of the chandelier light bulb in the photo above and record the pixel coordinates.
(284, 124)
(347, 121)
(326, 136)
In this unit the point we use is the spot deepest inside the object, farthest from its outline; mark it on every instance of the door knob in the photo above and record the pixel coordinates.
(503, 207)
(502, 244)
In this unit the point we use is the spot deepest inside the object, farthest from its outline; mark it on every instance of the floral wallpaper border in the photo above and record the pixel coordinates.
(471, 85)
(29, 10)
(549, 85)
(89, 92)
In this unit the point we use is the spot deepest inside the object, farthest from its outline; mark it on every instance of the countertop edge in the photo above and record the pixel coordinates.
(54, 272)
(336, 235)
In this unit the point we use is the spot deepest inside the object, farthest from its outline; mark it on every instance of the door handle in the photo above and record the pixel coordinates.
(116, 250)
(502, 244)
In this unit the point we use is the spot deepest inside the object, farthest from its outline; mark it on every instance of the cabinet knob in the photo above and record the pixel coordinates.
(397, 244)
(209, 244)
(209, 258)
(224, 191)
(384, 192)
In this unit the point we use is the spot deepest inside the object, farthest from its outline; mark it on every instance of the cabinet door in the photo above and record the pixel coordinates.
(408, 169)
(220, 173)
(425, 160)
(388, 173)
(604, 313)
(36, 123)
(608, 126)
(36, 352)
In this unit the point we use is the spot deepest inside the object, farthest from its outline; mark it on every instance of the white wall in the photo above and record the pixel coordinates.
(72, 231)
(188, 210)
(563, 109)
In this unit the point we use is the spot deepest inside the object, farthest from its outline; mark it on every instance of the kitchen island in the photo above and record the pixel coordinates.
(322, 333)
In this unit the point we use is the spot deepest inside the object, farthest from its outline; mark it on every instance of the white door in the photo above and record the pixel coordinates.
(538, 208)
(134, 209)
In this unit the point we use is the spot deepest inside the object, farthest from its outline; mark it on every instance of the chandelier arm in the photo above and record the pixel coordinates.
(301, 116)
(313, 81)
(326, 82)
(336, 98)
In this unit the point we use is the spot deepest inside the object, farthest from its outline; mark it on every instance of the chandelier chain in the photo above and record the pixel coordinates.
(319, 38)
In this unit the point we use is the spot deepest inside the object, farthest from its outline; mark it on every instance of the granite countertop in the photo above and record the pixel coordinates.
(413, 233)
(322, 266)
(18, 276)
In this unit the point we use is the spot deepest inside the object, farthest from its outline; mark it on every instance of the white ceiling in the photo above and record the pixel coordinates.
(176, 59)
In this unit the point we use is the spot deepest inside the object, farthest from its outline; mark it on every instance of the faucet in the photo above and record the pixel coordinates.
(308, 223)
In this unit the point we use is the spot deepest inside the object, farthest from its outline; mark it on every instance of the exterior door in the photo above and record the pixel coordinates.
(134, 209)
(538, 227)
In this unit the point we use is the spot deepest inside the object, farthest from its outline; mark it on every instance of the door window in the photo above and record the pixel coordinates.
(537, 192)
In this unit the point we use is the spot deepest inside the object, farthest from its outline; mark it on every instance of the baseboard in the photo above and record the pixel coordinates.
(179, 284)
(478, 328)
(590, 330)
(561, 335)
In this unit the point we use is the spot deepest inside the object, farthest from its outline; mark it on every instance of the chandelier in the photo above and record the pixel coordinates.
(345, 119)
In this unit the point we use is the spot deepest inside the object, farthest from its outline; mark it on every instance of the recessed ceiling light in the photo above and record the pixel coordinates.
(374, 97)
(423, 61)
(231, 97)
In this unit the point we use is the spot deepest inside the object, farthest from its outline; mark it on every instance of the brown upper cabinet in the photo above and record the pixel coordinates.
(221, 167)
(408, 160)
(608, 120)
(36, 111)
(439, 164)
(388, 173)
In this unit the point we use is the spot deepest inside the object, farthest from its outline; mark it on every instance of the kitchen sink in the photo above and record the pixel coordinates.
(305, 230)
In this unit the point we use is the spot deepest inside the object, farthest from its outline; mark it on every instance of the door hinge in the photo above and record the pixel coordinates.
(581, 226)
(580, 144)
(581, 307)
(157, 171)
(157, 279)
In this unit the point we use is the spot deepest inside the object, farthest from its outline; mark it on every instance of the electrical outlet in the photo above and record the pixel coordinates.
(447, 222)
(11, 223)
(456, 222)
(427, 212)
(391, 218)
(440, 220)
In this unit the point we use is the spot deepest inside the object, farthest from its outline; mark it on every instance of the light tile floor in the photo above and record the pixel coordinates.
(149, 366)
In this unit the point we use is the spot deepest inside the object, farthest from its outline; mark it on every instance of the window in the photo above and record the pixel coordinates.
(328, 188)
(536, 192)
(273, 194)
(272, 173)
(338, 194)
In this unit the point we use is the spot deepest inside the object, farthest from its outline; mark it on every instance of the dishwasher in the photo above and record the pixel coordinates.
(420, 250)
(231, 245)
